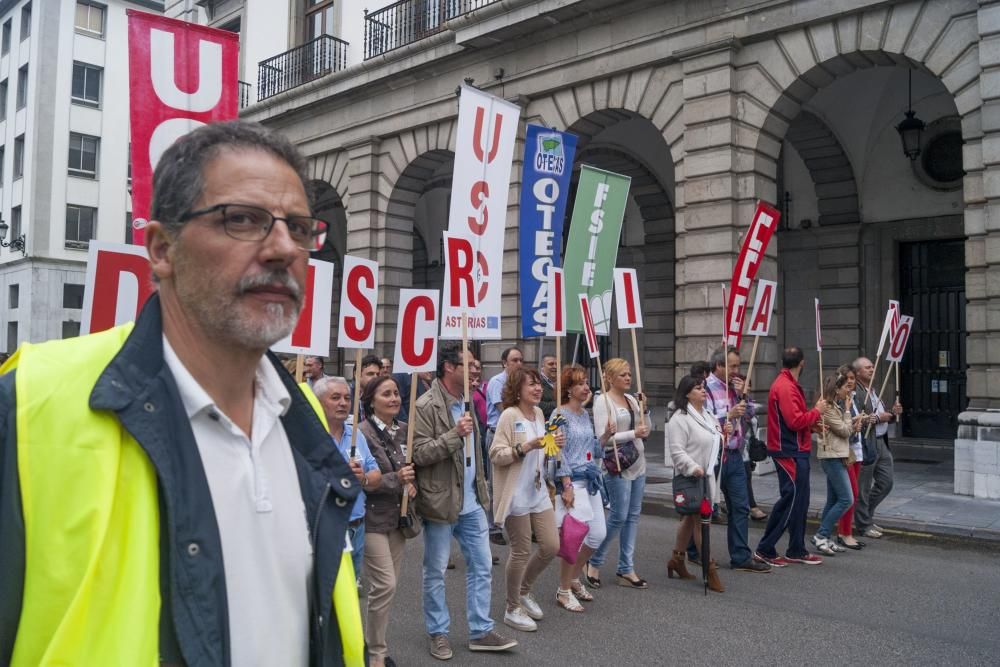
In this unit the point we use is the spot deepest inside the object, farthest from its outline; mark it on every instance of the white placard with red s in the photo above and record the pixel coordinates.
(555, 315)
(627, 299)
(416, 331)
(763, 307)
(899, 342)
(358, 301)
(589, 333)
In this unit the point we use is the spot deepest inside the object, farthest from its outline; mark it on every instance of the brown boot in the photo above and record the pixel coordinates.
(676, 566)
(714, 583)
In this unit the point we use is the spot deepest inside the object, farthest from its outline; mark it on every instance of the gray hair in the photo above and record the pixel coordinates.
(325, 384)
(856, 364)
(721, 357)
(178, 179)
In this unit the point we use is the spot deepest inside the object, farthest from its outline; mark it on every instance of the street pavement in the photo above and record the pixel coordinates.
(901, 601)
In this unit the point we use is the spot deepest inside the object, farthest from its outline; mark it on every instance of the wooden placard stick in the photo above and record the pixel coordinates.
(822, 418)
(465, 383)
(558, 374)
(638, 380)
(409, 436)
(299, 368)
(357, 402)
(899, 418)
(881, 391)
(753, 358)
(611, 414)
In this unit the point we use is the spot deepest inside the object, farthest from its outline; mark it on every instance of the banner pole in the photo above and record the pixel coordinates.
(299, 368)
(409, 436)
(558, 375)
(607, 403)
(357, 401)
(576, 347)
(638, 379)
(899, 418)
(822, 418)
(753, 358)
(465, 373)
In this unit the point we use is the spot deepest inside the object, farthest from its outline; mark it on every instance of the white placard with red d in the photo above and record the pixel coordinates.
(416, 331)
(555, 316)
(899, 342)
(627, 299)
(763, 307)
(358, 301)
(117, 285)
(589, 333)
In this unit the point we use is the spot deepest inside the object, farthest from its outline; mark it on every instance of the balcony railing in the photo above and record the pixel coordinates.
(244, 94)
(409, 21)
(300, 65)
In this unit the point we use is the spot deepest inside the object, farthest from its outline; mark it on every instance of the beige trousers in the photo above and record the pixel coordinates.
(523, 566)
(383, 558)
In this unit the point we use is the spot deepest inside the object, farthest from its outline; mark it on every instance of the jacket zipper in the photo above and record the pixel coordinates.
(314, 601)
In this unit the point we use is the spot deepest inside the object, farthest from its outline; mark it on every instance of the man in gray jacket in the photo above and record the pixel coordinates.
(451, 499)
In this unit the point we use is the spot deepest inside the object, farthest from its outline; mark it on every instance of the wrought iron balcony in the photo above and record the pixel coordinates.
(244, 94)
(300, 65)
(409, 21)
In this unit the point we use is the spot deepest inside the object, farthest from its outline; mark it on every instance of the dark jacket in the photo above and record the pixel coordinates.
(194, 623)
(789, 423)
(439, 457)
(382, 505)
(548, 402)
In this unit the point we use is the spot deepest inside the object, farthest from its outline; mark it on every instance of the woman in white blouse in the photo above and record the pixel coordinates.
(694, 440)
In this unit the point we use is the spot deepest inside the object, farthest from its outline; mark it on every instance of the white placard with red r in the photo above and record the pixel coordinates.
(416, 331)
(555, 316)
(358, 301)
(627, 299)
(590, 334)
(763, 307)
(899, 342)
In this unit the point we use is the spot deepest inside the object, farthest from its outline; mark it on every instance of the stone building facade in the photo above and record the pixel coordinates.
(710, 106)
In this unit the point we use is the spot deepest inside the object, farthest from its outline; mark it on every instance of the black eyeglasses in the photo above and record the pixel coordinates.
(252, 223)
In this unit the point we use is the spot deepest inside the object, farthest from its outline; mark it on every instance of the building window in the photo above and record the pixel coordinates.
(72, 295)
(80, 221)
(13, 296)
(11, 337)
(319, 18)
(5, 46)
(3, 99)
(90, 19)
(26, 22)
(70, 329)
(87, 84)
(3, 154)
(22, 87)
(15, 222)
(83, 151)
(19, 157)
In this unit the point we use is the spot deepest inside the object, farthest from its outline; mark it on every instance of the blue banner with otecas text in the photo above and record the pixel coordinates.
(548, 164)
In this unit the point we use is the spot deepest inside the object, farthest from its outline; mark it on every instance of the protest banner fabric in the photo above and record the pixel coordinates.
(181, 76)
(545, 180)
(762, 227)
(358, 302)
(484, 151)
(627, 299)
(416, 331)
(592, 248)
(763, 308)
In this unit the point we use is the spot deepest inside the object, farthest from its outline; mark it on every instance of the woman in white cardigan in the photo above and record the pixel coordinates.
(694, 439)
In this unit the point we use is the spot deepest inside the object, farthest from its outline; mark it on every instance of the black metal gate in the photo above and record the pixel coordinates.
(932, 283)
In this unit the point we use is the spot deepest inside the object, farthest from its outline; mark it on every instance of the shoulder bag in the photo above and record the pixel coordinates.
(628, 453)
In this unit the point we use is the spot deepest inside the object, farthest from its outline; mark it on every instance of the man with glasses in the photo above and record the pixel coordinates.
(183, 458)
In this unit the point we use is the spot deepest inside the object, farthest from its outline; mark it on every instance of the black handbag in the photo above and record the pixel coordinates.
(756, 448)
(688, 494)
(627, 453)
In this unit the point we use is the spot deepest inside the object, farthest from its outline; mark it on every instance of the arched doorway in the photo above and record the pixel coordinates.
(328, 206)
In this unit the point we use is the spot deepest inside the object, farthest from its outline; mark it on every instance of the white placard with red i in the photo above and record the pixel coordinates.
(889, 326)
(819, 334)
(899, 342)
(627, 299)
(763, 307)
(555, 316)
(311, 334)
(358, 301)
(416, 331)
(589, 333)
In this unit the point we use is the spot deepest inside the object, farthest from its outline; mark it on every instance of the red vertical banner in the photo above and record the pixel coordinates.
(762, 227)
(181, 76)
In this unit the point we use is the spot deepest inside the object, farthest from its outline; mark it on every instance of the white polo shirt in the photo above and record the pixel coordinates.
(261, 517)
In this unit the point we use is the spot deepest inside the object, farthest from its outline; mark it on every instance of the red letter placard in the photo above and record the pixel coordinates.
(889, 326)
(181, 76)
(312, 332)
(760, 321)
(117, 285)
(627, 298)
(588, 326)
(416, 331)
(358, 300)
(765, 221)
(898, 345)
(555, 315)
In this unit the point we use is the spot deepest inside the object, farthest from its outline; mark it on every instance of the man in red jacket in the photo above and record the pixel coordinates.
(789, 442)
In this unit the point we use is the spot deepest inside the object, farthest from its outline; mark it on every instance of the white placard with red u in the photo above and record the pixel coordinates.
(555, 315)
(763, 307)
(416, 331)
(627, 299)
(358, 301)
(589, 333)
(899, 342)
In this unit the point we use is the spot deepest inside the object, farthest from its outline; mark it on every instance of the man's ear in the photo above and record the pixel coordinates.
(158, 243)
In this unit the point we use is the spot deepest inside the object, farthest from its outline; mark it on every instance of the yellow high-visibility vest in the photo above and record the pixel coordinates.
(91, 519)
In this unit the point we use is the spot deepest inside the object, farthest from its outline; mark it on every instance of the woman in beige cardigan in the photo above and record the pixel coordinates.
(521, 500)
(834, 454)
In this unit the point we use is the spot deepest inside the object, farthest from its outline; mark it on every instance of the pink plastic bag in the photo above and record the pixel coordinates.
(571, 538)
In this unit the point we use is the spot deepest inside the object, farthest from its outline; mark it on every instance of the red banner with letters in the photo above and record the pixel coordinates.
(765, 222)
(181, 76)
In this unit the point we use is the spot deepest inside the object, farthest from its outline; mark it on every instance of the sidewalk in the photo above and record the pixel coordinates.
(921, 500)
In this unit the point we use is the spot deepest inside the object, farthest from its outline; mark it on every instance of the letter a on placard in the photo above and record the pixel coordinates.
(627, 298)
(416, 331)
(555, 322)
(358, 301)
(763, 307)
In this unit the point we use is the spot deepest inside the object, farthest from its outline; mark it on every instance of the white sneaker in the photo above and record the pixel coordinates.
(823, 545)
(519, 620)
(531, 608)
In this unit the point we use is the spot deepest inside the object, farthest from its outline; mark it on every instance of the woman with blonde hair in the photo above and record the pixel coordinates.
(625, 484)
(834, 454)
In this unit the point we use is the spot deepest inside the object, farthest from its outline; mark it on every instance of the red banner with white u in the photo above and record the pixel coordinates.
(181, 76)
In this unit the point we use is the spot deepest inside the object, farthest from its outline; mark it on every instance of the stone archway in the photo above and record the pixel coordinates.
(329, 206)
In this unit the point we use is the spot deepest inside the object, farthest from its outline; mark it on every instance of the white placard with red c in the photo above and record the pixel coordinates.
(627, 299)
(555, 315)
(889, 326)
(763, 308)
(358, 301)
(589, 333)
(902, 338)
(311, 334)
(416, 331)
(819, 332)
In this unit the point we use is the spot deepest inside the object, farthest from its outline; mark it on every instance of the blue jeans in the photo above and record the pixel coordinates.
(626, 505)
(472, 533)
(733, 479)
(357, 536)
(838, 495)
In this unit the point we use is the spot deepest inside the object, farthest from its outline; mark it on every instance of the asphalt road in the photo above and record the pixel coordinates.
(899, 602)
